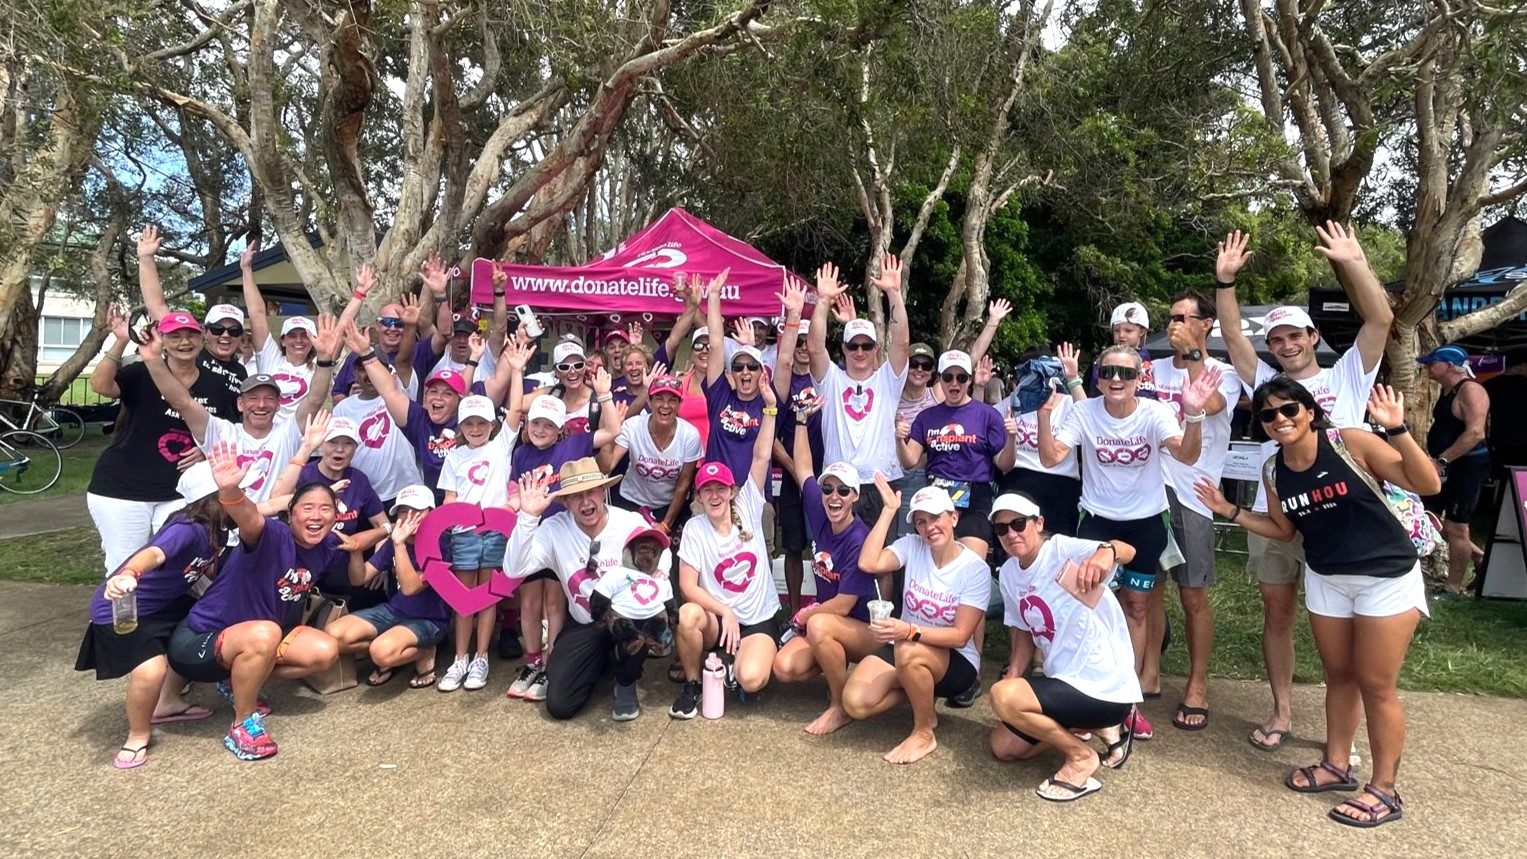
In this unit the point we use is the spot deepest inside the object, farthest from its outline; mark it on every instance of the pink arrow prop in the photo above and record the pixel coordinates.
(437, 571)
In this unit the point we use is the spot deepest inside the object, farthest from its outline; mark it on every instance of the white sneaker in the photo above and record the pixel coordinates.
(453, 676)
(537, 690)
(521, 684)
(477, 672)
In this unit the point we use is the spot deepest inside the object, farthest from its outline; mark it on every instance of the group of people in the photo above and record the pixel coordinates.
(645, 519)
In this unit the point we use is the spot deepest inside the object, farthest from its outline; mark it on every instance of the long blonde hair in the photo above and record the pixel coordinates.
(742, 532)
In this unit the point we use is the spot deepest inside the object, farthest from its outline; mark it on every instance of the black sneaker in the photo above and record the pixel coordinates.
(509, 646)
(965, 700)
(687, 705)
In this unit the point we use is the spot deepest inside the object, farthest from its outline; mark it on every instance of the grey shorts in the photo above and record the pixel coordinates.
(1194, 533)
(1275, 562)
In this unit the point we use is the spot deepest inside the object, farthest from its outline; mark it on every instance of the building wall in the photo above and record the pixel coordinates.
(62, 324)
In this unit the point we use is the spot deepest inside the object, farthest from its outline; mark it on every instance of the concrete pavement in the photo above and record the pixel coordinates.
(390, 771)
(43, 515)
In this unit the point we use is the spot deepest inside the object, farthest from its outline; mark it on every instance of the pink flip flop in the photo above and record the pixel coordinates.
(133, 762)
(189, 714)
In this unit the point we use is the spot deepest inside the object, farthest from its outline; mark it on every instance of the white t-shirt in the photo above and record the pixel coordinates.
(1028, 439)
(653, 474)
(294, 379)
(479, 475)
(933, 595)
(267, 456)
(384, 454)
(1341, 390)
(859, 420)
(735, 571)
(1124, 479)
(481, 373)
(1215, 428)
(1087, 648)
(559, 545)
(635, 595)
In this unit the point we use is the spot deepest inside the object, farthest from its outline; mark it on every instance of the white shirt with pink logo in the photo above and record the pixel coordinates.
(733, 570)
(859, 420)
(294, 379)
(1121, 456)
(266, 456)
(1086, 648)
(384, 454)
(1341, 390)
(1027, 441)
(479, 475)
(933, 595)
(653, 473)
(559, 545)
(1170, 380)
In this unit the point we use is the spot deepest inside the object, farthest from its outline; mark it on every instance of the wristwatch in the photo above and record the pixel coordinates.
(1194, 355)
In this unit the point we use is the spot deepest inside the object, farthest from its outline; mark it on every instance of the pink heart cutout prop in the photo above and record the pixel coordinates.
(437, 571)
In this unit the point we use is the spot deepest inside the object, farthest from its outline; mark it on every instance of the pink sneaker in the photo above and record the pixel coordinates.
(1139, 725)
(249, 741)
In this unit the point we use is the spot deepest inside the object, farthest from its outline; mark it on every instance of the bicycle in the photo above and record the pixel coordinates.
(29, 462)
(63, 425)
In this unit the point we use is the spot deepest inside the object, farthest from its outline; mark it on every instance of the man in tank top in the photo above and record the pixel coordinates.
(1458, 445)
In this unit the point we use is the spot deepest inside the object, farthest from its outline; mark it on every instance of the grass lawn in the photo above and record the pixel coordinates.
(71, 557)
(79, 462)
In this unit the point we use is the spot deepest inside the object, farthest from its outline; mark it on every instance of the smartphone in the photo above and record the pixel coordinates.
(528, 322)
(1067, 581)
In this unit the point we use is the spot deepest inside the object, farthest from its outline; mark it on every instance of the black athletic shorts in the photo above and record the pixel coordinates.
(194, 654)
(1147, 536)
(958, 677)
(791, 515)
(1071, 708)
(1460, 493)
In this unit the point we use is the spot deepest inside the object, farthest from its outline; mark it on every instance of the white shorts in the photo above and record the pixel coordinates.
(1345, 596)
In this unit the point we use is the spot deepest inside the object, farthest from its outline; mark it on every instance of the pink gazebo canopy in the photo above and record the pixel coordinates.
(637, 276)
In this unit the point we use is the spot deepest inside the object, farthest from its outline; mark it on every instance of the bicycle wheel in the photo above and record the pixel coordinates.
(63, 426)
(29, 463)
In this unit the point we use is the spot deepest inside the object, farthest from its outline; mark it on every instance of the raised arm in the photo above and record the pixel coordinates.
(686, 321)
(874, 558)
(1400, 460)
(828, 290)
(763, 446)
(148, 273)
(611, 413)
(509, 375)
(908, 450)
(900, 331)
(1007, 457)
(316, 428)
(1071, 367)
(711, 295)
(254, 302)
(103, 379)
(365, 280)
(431, 298)
(1195, 396)
(410, 582)
(172, 389)
(995, 313)
(1232, 256)
(227, 473)
(793, 300)
(1340, 248)
(327, 346)
(499, 326)
(366, 361)
(1052, 451)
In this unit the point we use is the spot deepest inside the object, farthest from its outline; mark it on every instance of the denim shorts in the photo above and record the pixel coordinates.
(384, 617)
(473, 551)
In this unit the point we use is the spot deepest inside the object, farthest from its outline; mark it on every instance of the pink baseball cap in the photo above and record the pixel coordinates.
(617, 333)
(665, 385)
(449, 378)
(178, 321)
(714, 472)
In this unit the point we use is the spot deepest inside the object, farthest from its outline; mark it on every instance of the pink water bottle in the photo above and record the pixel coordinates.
(713, 688)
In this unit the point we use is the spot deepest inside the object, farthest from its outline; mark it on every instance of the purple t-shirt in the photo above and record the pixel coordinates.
(268, 581)
(424, 605)
(801, 388)
(358, 502)
(734, 426)
(431, 441)
(960, 441)
(527, 458)
(835, 557)
(188, 555)
(422, 355)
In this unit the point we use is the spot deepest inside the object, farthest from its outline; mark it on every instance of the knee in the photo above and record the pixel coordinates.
(1194, 600)
(1005, 695)
(1004, 746)
(819, 627)
(856, 703)
(150, 672)
(530, 599)
(560, 710)
(1136, 605)
(691, 616)
(383, 653)
(262, 637)
(323, 651)
(752, 678)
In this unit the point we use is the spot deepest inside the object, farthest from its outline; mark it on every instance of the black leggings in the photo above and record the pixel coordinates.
(585, 652)
(1071, 708)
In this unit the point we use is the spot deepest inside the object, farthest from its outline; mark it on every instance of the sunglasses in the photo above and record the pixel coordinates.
(838, 489)
(700, 347)
(1184, 317)
(570, 367)
(1001, 528)
(859, 346)
(955, 378)
(745, 367)
(1287, 410)
(1123, 374)
(925, 366)
(230, 330)
(389, 322)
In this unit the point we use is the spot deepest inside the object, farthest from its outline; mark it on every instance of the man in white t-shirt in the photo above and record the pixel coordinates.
(859, 417)
(383, 454)
(1191, 317)
(1341, 390)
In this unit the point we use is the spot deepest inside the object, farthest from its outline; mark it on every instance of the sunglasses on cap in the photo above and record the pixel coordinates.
(1287, 410)
(746, 367)
(837, 489)
(230, 330)
(860, 346)
(1019, 524)
(955, 378)
(925, 366)
(1184, 317)
(569, 366)
(1123, 374)
(389, 322)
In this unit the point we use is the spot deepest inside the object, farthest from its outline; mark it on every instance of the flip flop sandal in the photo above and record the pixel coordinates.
(1276, 735)
(379, 678)
(1073, 791)
(1128, 742)
(676, 672)
(189, 714)
(1385, 802)
(133, 762)
(422, 679)
(1183, 711)
(1150, 696)
(1312, 786)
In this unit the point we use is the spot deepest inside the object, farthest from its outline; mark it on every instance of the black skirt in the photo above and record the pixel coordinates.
(112, 655)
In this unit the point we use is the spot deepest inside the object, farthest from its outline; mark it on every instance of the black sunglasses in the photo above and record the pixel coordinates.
(859, 346)
(955, 378)
(700, 347)
(925, 366)
(230, 330)
(1123, 374)
(1001, 528)
(570, 367)
(838, 489)
(1184, 317)
(1287, 410)
(745, 367)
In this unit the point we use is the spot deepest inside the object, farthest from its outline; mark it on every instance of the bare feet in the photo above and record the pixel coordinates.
(831, 720)
(917, 745)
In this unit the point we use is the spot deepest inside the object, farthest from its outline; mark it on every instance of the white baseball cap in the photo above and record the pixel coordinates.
(1132, 312)
(1286, 315)
(566, 349)
(955, 358)
(219, 312)
(931, 499)
(751, 352)
(342, 428)
(418, 496)
(756, 320)
(702, 331)
(1013, 503)
(859, 328)
(548, 407)
(296, 322)
(842, 472)
(477, 406)
(196, 482)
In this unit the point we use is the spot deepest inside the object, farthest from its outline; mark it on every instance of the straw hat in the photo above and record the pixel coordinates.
(581, 475)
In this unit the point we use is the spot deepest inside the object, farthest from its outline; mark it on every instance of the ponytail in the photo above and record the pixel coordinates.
(742, 532)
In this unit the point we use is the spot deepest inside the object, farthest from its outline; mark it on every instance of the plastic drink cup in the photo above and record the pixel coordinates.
(124, 613)
(880, 610)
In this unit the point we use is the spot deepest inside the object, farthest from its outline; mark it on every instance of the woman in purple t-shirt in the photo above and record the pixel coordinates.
(160, 576)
